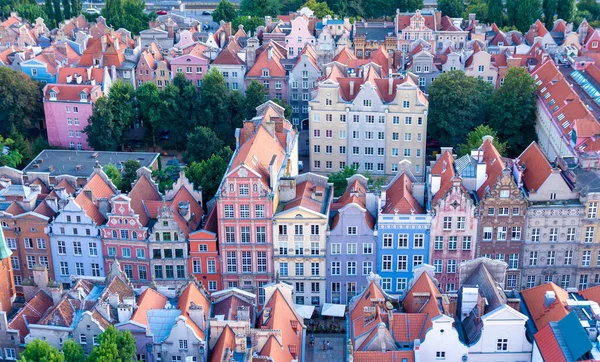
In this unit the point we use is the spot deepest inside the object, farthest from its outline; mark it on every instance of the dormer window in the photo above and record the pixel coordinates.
(367, 103)
(83, 97)
(52, 95)
(594, 44)
(266, 73)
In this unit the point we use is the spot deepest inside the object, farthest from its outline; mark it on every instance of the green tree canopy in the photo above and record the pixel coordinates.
(20, 101)
(339, 180)
(287, 108)
(76, 7)
(209, 173)
(129, 174)
(260, 8)
(41, 351)
(250, 23)
(523, 13)
(114, 175)
(549, 7)
(591, 6)
(495, 12)
(31, 12)
(456, 106)
(66, 9)
(128, 14)
(202, 143)
(9, 155)
(214, 105)
(566, 10)
(73, 351)
(475, 139)
(114, 346)
(225, 11)
(150, 104)
(451, 8)
(409, 5)
(321, 9)
(256, 94)
(511, 110)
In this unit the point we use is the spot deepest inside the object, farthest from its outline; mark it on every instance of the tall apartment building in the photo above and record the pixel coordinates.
(248, 195)
(300, 235)
(367, 121)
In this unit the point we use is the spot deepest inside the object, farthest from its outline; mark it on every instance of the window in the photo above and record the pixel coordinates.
(487, 233)
(231, 264)
(551, 258)
(336, 249)
(419, 241)
(229, 234)
(64, 269)
(440, 355)
(82, 339)
(438, 264)
(592, 210)
(386, 283)
(387, 263)
(367, 267)
(402, 264)
(589, 234)
(245, 234)
(583, 281)
(553, 235)
(246, 262)
(501, 233)
(568, 257)
(466, 243)
(351, 249)
(229, 211)
(336, 267)
(511, 281)
(298, 229)
(112, 251)
(503, 211)
(570, 234)
(513, 261)
(351, 268)
(447, 223)
(460, 223)
(126, 252)
(314, 269)
(451, 268)
(502, 345)
(243, 191)
(367, 103)
(62, 247)
(79, 269)
(400, 284)
(535, 235)
(140, 254)
(211, 266)
(438, 243)
(245, 211)
(367, 248)
(533, 256)
(261, 234)
(405, 104)
(586, 258)
(516, 233)
(417, 260)
(350, 230)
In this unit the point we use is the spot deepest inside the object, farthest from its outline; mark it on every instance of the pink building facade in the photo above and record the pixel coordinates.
(454, 223)
(125, 239)
(191, 66)
(67, 108)
(298, 37)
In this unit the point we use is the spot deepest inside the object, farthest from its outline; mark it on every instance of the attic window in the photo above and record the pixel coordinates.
(547, 95)
(52, 95)
(561, 117)
(543, 90)
(555, 109)
(83, 97)
(551, 103)
(535, 77)
(566, 124)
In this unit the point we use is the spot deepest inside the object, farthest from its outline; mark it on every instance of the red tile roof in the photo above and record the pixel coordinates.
(73, 92)
(274, 65)
(355, 194)
(304, 191)
(225, 344)
(31, 313)
(87, 74)
(192, 295)
(100, 189)
(549, 346)
(534, 299)
(444, 167)
(388, 356)
(413, 301)
(229, 55)
(399, 198)
(537, 29)
(591, 294)
(148, 300)
(537, 169)
(494, 167)
(143, 189)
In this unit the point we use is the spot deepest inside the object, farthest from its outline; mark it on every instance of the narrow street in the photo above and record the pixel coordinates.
(335, 353)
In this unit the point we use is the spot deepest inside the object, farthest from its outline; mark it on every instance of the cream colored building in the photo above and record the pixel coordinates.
(367, 121)
(300, 235)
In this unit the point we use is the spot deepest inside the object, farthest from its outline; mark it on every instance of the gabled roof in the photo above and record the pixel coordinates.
(444, 167)
(494, 166)
(148, 300)
(99, 188)
(534, 300)
(282, 317)
(304, 199)
(537, 29)
(225, 344)
(193, 297)
(31, 313)
(355, 194)
(431, 308)
(536, 168)
(144, 189)
(399, 197)
(274, 65)
(229, 55)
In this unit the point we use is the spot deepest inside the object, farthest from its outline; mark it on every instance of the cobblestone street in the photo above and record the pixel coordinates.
(335, 353)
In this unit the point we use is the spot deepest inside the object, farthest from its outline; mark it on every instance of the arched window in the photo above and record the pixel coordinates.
(157, 236)
(114, 234)
(134, 235)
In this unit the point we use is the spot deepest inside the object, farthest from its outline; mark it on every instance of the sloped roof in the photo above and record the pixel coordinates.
(100, 189)
(31, 313)
(229, 56)
(444, 167)
(193, 296)
(355, 194)
(143, 189)
(537, 169)
(548, 345)
(274, 65)
(399, 197)
(431, 308)
(148, 300)
(534, 300)
(494, 166)
(228, 307)
(282, 318)
(304, 197)
(224, 345)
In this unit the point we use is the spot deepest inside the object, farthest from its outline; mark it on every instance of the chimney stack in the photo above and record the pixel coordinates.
(549, 298)
(351, 87)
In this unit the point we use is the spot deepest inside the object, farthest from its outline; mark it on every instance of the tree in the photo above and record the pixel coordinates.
(73, 351)
(202, 143)
(209, 173)
(41, 351)
(590, 6)
(225, 11)
(250, 23)
(566, 10)
(66, 9)
(256, 94)
(76, 7)
(112, 11)
(475, 139)
(181, 101)
(9, 156)
(49, 13)
(260, 8)
(214, 106)
(57, 12)
(122, 104)
(409, 5)
(114, 345)
(129, 174)
(321, 9)
(31, 12)
(114, 175)
(20, 101)
(128, 14)
(495, 9)
(150, 103)
(102, 130)
(451, 8)
(456, 106)
(523, 13)
(287, 108)
(549, 8)
(21, 145)
(512, 110)
(339, 180)
(479, 8)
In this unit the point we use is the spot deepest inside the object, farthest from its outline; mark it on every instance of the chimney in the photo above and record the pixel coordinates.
(266, 315)
(88, 193)
(273, 172)
(278, 125)
(196, 313)
(351, 87)
(248, 131)
(549, 298)
(69, 78)
(390, 85)
(103, 40)
(184, 210)
(270, 53)
(40, 276)
(124, 312)
(287, 189)
(103, 206)
(243, 313)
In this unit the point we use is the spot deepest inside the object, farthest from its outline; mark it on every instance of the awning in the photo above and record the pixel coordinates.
(306, 311)
(333, 310)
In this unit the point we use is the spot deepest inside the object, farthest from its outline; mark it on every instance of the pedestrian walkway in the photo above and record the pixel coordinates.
(335, 353)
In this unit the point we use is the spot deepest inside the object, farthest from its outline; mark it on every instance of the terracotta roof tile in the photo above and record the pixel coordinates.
(87, 74)
(413, 301)
(494, 167)
(100, 189)
(31, 313)
(274, 65)
(148, 300)
(388, 356)
(548, 345)
(304, 198)
(44, 209)
(228, 307)
(282, 318)
(225, 344)
(408, 327)
(143, 189)
(14, 209)
(537, 168)
(444, 167)
(399, 197)
(534, 300)
(591, 294)
(192, 295)
(73, 92)
(355, 194)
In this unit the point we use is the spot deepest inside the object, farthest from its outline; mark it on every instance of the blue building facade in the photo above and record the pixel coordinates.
(403, 229)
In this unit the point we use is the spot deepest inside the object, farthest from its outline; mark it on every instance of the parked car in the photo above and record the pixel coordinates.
(162, 12)
(206, 12)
